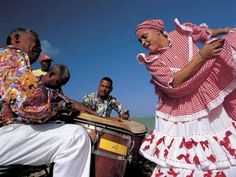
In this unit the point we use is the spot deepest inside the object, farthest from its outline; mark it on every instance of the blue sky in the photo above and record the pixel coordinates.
(95, 38)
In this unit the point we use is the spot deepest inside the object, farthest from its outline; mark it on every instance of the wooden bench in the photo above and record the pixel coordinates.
(24, 170)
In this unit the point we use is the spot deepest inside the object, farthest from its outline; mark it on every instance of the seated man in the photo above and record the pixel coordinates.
(45, 64)
(57, 76)
(25, 136)
(102, 102)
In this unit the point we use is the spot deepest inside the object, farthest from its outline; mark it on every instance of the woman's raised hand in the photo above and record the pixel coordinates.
(212, 49)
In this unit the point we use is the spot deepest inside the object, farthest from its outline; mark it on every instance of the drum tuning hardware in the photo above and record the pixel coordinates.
(98, 135)
(132, 145)
(129, 158)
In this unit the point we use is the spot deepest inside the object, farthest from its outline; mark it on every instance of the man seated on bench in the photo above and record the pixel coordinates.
(25, 137)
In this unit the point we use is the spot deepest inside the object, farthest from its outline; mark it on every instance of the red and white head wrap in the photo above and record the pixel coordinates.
(151, 24)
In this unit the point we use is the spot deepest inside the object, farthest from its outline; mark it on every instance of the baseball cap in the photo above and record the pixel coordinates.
(45, 57)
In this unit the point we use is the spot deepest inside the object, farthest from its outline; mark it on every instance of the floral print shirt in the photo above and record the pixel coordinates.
(23, 99)
(104, 109)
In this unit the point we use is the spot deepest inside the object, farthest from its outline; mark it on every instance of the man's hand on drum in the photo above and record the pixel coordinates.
(124, 116)
(80, 107)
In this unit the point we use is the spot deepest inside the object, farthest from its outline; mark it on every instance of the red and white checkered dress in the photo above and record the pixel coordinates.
(194, 136)
(230, 100)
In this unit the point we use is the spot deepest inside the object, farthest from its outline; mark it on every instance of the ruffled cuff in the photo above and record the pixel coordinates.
(143, 58)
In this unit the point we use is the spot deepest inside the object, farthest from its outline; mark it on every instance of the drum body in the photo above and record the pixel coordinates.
(110, 149)
(114, 146)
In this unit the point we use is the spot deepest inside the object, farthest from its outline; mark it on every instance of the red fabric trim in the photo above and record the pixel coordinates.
(172, 172)
(186, 158)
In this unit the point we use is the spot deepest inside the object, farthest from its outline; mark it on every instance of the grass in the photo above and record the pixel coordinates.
(147, 121)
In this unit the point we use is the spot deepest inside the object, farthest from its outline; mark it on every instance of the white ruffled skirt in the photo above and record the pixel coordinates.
(203, 147)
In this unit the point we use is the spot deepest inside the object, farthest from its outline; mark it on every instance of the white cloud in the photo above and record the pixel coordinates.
(48, 48)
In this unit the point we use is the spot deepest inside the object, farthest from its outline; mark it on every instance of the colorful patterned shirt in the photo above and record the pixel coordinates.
(22, 98)
(103, 109)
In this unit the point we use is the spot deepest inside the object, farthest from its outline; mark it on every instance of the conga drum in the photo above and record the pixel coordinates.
(115, 143)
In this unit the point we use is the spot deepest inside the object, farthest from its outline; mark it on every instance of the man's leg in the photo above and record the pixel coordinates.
(67, 145)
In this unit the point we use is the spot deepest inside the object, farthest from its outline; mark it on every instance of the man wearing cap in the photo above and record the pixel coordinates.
(45, 63)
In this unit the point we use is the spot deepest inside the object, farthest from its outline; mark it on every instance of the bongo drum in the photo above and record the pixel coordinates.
(115, 143)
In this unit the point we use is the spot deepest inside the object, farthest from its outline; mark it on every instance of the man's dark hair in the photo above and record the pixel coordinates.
(62, 71)
(107, 79)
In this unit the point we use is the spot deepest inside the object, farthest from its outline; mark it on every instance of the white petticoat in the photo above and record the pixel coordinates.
(193, 148)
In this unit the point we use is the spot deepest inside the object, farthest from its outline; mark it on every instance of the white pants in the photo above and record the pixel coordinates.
(67, 145)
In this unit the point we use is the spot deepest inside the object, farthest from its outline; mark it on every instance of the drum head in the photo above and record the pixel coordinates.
(130, 126)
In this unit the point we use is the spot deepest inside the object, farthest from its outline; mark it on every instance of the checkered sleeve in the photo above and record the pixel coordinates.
(199, 33)
(157, 68)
